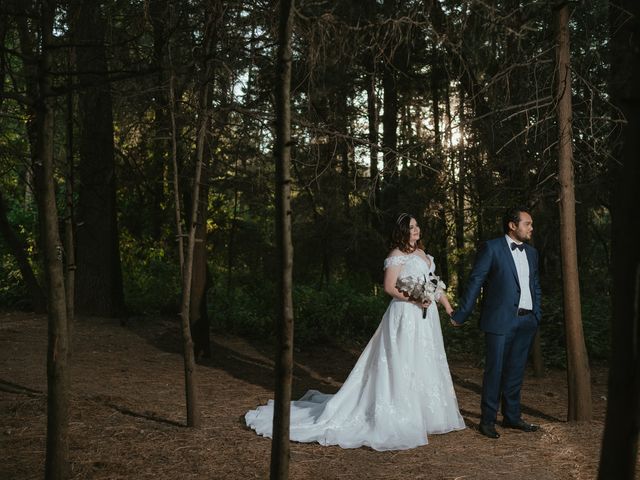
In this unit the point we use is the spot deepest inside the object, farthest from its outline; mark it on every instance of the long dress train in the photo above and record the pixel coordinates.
(399, 391)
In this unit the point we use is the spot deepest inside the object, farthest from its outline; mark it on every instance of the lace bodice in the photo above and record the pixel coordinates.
(413, 265)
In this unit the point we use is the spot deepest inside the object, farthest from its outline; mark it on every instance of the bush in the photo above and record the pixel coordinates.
(151, 278)
(13, 292)
(339, 312)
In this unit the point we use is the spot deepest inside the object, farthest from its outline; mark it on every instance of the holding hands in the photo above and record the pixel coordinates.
(449, 309)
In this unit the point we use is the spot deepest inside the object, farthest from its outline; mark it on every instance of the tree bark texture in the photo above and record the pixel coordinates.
(69, 225)
(57, 449)
(284, 354)
(578, 372)
(176, 173)
(191, 392)
(373, 122)
(622, 425)
(460, 199)
(390, 194)
(201, 280)
(193, 407)
(99, 278)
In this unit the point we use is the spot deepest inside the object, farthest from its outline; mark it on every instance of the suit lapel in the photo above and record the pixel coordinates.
(509, 259)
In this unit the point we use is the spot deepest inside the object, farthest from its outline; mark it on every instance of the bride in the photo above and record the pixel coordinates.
(400, 389)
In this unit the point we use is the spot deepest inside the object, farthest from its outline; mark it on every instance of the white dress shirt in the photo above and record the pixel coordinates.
(522, 267)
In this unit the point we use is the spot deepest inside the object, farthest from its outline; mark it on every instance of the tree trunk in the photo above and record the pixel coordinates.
(57, 454)
(282, 156)
(176, 172)
(390, 122)
(186, 264)
(193, 408)
(201, 281)
(622, 425)
(578, 374)
(69, 225)
(536, 356)
(373, 122)
(438, 164)
(459, 196)
(99, 278)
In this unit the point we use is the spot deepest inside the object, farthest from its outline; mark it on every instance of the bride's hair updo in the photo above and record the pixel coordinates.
(400, 235)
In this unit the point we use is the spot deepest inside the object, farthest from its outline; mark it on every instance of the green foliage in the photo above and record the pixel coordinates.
(466, 341)
(12, 288)
(339, 312)
(246, 309)
(487, 73)
(596, 313)
(23, 220)
(151, 277)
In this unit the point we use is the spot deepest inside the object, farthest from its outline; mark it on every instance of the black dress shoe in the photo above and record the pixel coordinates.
(521, 425)
(489, 430)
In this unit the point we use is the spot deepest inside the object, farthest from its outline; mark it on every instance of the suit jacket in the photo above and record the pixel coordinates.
(495, 273)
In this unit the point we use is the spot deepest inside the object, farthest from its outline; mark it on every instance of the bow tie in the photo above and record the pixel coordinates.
(514, 245)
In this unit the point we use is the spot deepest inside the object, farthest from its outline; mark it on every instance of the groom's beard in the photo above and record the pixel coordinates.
(523, 238)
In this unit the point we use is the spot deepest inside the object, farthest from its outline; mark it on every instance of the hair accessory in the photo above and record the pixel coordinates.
(401, 217)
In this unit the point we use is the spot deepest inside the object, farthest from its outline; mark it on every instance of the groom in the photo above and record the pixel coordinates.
(506, 269)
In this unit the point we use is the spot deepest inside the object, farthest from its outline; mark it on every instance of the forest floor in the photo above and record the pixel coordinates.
(127, 413)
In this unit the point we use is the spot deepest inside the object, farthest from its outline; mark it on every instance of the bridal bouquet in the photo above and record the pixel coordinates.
(422, 289)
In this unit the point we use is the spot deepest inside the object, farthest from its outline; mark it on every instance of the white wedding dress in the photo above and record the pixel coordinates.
(399, 391)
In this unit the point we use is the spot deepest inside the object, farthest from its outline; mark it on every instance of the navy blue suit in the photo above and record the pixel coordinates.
(508, 336)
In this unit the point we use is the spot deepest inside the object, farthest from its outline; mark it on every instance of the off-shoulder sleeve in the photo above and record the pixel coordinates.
(394, 261)
(432, 263)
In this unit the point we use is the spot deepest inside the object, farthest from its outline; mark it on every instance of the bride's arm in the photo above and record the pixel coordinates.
(390, 279)
(445, 303)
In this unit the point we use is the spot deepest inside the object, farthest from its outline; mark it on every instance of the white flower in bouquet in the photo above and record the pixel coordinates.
(423, 288)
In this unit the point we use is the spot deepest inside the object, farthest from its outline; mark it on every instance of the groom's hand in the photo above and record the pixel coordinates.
(453, 322)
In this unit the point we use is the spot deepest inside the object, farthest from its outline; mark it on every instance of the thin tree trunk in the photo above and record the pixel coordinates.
(193, 410)
(231, 250)
(390, 120)
(284, 356)
(69, 224)
(460, 204)
(176, 173)
(186, 264)
(198, 315)
(57, 454)
(373, 122)
(622, 426)
(438, 163)
(578, 374)
(343, 150)
(536, 357)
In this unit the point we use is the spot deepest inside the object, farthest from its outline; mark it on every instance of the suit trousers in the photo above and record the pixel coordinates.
(505, 363)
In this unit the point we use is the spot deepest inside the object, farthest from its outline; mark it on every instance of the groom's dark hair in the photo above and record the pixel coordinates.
(512, 215)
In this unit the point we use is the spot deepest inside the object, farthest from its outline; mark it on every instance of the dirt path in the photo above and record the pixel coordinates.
(128, 410)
